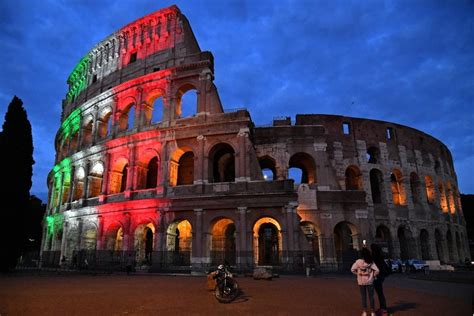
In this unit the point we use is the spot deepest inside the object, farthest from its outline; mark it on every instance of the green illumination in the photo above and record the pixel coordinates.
(71, 124)
(78, 78)
(54, 222)
(64, 165)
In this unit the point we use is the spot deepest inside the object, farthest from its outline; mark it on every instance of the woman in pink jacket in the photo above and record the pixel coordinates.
(366, 271)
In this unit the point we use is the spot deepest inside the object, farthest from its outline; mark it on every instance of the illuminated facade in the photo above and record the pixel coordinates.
(185, 185)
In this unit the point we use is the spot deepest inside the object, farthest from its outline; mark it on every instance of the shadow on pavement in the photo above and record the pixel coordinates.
(401, 306)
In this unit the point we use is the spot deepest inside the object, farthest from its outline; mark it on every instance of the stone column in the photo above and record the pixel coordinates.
(127, 234)
(105, 175)
(95, 124)
(242, 246)
(241, 157)
(139, 112)
(199, 175)
(79, 234)
(327, 252)
(197, 259)
(100, 232)
(63, 239)
(85, 193)
(72, 184)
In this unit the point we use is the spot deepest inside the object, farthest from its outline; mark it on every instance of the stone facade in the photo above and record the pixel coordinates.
(137, 174)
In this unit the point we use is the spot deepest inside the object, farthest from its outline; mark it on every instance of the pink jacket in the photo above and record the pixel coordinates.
(365, 272)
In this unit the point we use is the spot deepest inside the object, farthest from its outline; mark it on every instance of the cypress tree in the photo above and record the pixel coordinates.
(16, 159)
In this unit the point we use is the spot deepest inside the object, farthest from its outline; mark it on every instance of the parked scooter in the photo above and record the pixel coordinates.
(226, 289)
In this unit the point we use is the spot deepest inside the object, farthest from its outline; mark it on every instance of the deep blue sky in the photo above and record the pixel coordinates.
(406, 62)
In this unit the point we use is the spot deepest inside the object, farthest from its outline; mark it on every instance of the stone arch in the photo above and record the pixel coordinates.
(373, 155)
(311, 242)
(179, 243)
(268, 167)
(223, 243)
(306, 164)
(126, 120)
(439, 241)
(383, 238)
(181, 93)
(143, 242)
(450, 194)
(119, 175)
(398, 190)
(267, 242)
(353, 178)
(443, 204)
(377, 187)
(105, 122)
(148, 169)
(222, 163)
(346, 244)
(154, 106)
(114, 237)
(95, 179)
(406, 243)
(79, 183)
(86, 130)
(430, 190)
(425, 244)
(415, 188)
(181, 169)
(450, 244)
(459, 252)
(89, 237)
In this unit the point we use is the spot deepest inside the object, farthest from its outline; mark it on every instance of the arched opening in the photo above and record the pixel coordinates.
(118, 176)
(306, 164)
(376, 186)
(346, 244)
(158, 108)
(144, 243)
(73, 143)
(103, 125)
(179, 243)
(95, 179)
(384, 239)
(267, 165)
(186, 101)
(79, 180)
(415, 188)
(267, 242)
(450, 243)
(127, 118)
(310, 246)
(186, 168)
(181, 167)
(452, 206)
(154, 107)
(222, 159)
(439, 246)
(398, 191)
(437, 167)
(114, 238)
(373, 155)
(458, 247)
(443, 204)
(87, 136)
(425, 245)
(353, 178)
(223, 242)
(430, 190)
(404, 238)
(89, 238)
(66, 186)
(152, 173)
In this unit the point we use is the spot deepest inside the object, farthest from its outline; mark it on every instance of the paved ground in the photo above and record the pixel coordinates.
(178, 295)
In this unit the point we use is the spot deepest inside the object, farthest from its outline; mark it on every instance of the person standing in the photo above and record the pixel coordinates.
(379, 261)
(366, 271)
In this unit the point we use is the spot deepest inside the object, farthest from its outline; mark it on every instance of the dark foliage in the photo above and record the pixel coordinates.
(16, 158)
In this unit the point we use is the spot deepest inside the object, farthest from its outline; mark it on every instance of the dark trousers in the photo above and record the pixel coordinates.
(378, 286)
(367, 290)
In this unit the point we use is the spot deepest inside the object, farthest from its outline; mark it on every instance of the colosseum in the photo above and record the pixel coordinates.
(149, 164)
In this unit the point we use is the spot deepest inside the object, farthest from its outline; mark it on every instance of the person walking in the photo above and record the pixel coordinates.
(366, 271)
(384, 271)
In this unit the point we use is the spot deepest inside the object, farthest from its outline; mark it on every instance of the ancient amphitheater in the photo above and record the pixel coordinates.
(185, 185)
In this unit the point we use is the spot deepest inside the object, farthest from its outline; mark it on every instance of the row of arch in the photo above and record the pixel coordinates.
(127, 114)
(267, 242)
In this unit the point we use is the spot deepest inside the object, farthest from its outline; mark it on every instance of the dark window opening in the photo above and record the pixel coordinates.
(186, 169)
(133, 58)
(94, 79)
(373, 155)
(152, 173)
(156, 69)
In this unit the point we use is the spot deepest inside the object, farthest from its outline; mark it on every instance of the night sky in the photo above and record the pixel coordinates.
(406, 62)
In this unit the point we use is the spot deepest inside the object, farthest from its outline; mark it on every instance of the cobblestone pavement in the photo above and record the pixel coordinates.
(186, 295)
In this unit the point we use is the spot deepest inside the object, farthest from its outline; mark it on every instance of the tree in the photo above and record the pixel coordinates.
(16, 161)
